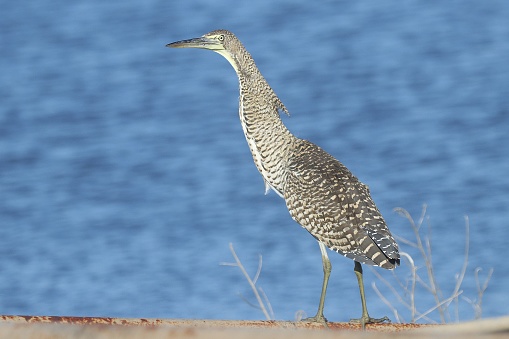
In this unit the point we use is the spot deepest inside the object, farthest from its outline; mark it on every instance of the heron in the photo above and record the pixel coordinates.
(321, 194)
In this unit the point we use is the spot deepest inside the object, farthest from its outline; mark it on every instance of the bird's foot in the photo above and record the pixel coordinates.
(368, 320)
(319, 318)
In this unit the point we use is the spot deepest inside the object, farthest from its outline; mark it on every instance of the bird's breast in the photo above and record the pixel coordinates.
(268, 140)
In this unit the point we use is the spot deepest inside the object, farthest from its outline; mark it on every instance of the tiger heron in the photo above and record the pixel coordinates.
(321, 194)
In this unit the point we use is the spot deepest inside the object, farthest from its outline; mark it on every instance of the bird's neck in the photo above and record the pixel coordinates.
(259, 109)
(268, 138)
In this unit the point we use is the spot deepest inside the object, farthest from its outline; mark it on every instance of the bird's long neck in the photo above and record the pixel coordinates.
(268, 138)
(259, 109)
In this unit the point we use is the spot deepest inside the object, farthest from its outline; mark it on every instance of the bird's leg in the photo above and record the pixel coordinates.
(365, 319)
(327, 267)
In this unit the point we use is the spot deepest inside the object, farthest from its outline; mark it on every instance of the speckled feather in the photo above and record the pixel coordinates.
(325, 198)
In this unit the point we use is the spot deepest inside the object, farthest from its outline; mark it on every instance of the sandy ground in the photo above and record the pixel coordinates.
(46, 327)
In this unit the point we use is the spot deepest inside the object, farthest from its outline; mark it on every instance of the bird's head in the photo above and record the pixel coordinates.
(215, 41)
(220, 41)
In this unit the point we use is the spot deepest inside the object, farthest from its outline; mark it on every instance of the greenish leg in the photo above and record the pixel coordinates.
(327, 268)
(365, 319)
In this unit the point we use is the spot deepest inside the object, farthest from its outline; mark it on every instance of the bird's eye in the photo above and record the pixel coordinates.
(221, 37)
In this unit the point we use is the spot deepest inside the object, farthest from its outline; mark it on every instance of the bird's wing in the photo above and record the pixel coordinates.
(379, 245)
(324, 197)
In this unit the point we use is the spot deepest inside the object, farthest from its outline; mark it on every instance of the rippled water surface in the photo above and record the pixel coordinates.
(124, 173)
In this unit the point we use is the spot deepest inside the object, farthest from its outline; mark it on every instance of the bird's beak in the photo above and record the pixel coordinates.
(201, 42)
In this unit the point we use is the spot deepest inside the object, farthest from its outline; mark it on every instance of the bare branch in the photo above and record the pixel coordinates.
(405, 290)
(238, 263)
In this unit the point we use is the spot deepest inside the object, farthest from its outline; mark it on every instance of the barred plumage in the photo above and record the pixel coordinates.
(336, 208)
(321, 194)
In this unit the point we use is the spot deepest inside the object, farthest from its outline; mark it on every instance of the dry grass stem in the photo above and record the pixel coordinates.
(404, 291)
(264, 304)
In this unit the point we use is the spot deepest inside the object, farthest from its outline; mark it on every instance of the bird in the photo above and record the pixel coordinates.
(321, 194)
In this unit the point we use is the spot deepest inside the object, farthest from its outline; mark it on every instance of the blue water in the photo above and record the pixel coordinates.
(124, 173)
